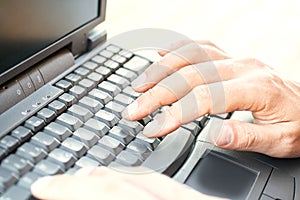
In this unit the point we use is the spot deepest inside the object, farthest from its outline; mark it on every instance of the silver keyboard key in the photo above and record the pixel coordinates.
(87, 137)
(71, 122)
(81, 113)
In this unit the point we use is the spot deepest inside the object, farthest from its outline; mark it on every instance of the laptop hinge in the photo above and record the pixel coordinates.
(31, 80)
(95, 38)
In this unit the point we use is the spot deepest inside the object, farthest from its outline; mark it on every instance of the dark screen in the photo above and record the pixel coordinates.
(26, 27)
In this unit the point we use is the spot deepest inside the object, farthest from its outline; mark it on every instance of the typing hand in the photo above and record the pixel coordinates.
(198, 78)
(104, 183)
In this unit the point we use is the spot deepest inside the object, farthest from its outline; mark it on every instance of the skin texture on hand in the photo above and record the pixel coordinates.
(104, 183)
(198, 78)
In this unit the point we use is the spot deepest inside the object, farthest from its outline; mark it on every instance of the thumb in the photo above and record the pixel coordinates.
(243, 136)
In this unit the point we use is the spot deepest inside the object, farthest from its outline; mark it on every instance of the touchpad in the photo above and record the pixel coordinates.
(218, 176)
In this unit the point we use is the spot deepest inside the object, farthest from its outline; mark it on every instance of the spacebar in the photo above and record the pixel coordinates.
(24, 109)
(171, 152)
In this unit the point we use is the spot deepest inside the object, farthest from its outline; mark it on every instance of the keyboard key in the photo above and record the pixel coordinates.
(57, 107)
(119, 59)
(97, 127)
(77, 91)
(111, 65)
(17, 193)
(121, 134)
(193, 127)
(46, 114)
(35, 124)
(115, 108)
(58, 131)
(130, 92)
(45, 141)
(123, 99)
(99, 59)
(63, 84)
(129, 75)
(106, 54)
(140, 149)
(118, 80)
(101, 155)
(111, 144)
(137, 64)
(71, 171)
(106, 117)
(31, 152)
(28, 179)
(90, 65)
(69, 121)
(9, 143)
(145, 120)
(62, 157)
(128, 159)
(81, 113)
(22, 133)
(113, 48)
(110, 88)
(87, 137)
(87, 84)
(104, 71)
(73, 78)
(126, 54)
(133, 126)
(68, 99)
(91, 104)
(83, 72)
(151, 143)
(16, 164)
(95, 77)
(73, 146)
(101, 96)
(48, 168)
(86, 162)
(7, 179)
(2, 153)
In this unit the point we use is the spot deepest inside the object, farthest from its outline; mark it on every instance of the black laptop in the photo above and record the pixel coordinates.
(63, 87)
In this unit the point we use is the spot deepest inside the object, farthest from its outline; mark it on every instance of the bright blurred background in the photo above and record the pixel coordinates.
(265, 29)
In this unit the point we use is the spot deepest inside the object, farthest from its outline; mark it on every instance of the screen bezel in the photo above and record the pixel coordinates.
(76, 42)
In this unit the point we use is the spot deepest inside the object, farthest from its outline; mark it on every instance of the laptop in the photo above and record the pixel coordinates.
(63, 87)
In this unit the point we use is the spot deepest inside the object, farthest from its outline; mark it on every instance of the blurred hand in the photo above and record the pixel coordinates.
(104, 183)
(198, 78)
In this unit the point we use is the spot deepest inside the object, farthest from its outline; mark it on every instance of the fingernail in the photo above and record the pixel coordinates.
(139, 81)
(152, 128)
(41, 184)
(225, 136)
(130, 110)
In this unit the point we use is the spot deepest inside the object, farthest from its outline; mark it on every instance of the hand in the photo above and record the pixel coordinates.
(200, 78)
(104, 183)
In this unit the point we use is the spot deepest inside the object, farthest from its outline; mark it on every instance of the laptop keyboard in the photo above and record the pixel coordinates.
(83, 127)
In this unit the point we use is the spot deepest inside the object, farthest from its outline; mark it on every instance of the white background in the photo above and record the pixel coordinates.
(265, 29)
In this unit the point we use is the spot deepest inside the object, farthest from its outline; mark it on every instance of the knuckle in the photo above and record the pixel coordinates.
(202, 94)
(255, 63)
(153, 96)
(249, 137)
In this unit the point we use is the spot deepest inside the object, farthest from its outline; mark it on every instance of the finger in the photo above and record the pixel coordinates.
(215, 98)
(112, 186)
(63, 187)
(181, 43)
(263, 138)
(173, 61)
(178, 84)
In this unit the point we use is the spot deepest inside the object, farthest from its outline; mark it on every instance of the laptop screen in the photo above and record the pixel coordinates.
(27, 27)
